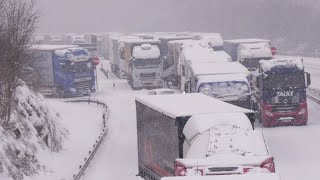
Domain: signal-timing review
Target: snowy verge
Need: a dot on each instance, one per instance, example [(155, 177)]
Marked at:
[(101, 137)]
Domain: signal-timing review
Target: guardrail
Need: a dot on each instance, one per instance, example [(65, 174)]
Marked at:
[(103, 133), (314, 95)]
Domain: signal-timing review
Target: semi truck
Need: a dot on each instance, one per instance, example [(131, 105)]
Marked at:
[(143, 65), (117, 62), (193, 134), (249, 51), (168, 66), (280, 92), (196, 51), (66, 70)]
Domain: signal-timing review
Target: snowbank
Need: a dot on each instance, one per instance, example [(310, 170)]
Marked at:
[(33, 129)]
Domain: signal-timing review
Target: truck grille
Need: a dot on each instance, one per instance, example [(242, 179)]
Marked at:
[(148, 75), (83, 87), (284, 108)]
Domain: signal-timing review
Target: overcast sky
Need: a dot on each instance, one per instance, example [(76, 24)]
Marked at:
[(248, 17)]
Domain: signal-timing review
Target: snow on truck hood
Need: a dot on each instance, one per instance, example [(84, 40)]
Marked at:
[(253, 176), (219, 68), (184, 105)]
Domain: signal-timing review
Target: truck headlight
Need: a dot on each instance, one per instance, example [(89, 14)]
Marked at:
[(268, 113), (302, 111), (73, 90)]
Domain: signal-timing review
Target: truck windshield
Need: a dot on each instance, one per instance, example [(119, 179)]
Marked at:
[(252, 64), (146, 63), (230, 89), (79, 66), (279, 81)]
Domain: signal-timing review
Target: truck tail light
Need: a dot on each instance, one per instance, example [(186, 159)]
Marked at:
[(268, 164), (246, 170), (179, 170)]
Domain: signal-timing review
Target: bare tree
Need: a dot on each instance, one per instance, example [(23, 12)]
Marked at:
[(17, 24)]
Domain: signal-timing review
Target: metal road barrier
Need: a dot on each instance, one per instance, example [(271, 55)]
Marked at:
[(103, 133)]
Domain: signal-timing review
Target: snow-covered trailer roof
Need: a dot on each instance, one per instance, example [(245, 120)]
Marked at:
[(199, 54), (246, 41), (252, 176), (47, 47), (140, 41), (218, 68), (186, 105)]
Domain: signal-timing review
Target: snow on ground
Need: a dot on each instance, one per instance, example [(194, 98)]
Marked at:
[(295, 148), (117, 157), (84, 124)]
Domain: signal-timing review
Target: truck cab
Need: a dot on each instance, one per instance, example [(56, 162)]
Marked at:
[(143, 63), (74, 72), (225, 81), (281, 92)]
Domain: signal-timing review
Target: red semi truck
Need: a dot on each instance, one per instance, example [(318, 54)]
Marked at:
[(193, 134)]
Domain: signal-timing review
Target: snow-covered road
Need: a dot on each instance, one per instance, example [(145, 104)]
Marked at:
[(294, 148)]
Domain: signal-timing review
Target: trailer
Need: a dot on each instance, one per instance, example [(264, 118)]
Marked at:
[(249, 51), (170, 129), (66, 70)]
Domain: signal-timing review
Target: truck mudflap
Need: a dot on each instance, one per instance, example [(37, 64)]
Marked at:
[(150, 174)]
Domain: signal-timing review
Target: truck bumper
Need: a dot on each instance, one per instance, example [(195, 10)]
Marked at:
[(152, 83), (284, 121)]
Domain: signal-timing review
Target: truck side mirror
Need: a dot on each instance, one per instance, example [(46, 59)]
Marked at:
[(187, 86), (308, 79), (258, 81)]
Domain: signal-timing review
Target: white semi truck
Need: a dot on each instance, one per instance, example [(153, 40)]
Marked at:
[(198, 51), (225, 81), (143, 65)]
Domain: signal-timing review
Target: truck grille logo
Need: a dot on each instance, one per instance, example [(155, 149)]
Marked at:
[(285, 93)]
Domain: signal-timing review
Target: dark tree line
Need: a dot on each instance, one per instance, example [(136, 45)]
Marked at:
[(17, 24)]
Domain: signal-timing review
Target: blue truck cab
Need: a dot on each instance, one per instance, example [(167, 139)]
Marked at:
[(67, 70)]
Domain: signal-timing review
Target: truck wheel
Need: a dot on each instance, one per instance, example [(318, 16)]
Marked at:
[(60, 93)]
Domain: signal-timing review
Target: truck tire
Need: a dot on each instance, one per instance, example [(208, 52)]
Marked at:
[(60, 93)]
